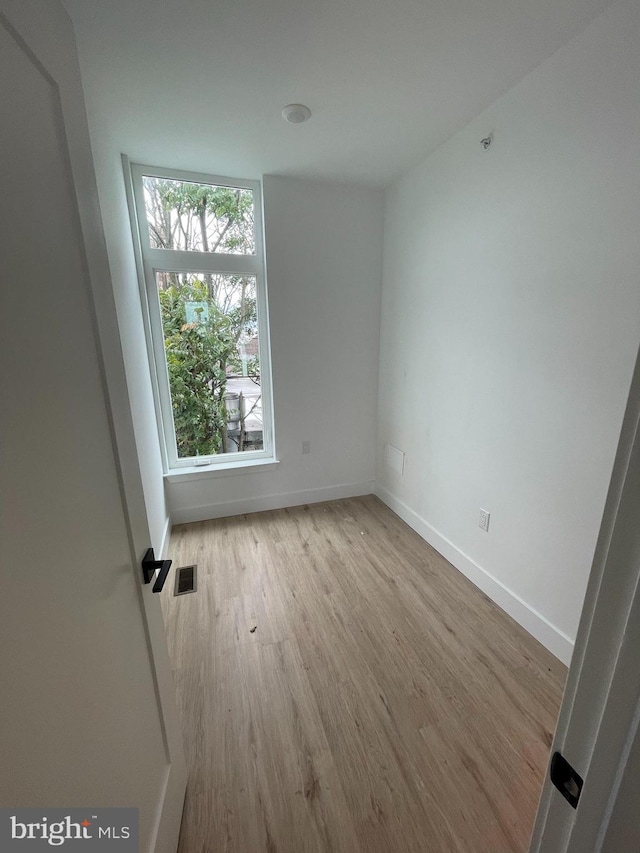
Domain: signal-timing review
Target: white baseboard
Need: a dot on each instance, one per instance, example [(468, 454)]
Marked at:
[(266, 502), (552, 638), (166, 535)]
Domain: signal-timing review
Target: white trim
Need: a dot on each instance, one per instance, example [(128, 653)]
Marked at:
[(222, 469), (197, 177), (164, 542), (150, 261), (267, 502), (146, 313), (169, 812), (176, 260), (264, 335), (551, 637)]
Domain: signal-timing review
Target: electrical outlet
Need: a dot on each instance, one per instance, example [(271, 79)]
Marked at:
[(483, 520), (306, 447)]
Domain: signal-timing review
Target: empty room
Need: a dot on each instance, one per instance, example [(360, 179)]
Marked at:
[(321, 454)]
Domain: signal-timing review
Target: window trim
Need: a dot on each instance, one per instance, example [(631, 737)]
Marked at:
[(149, 261)]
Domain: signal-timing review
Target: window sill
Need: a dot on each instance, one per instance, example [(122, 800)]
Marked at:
[(220, 469)]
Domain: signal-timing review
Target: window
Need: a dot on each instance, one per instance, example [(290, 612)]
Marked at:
[(202, 259)]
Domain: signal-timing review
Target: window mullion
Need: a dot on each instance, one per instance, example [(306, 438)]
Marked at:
[(195, 262), (157, 338)]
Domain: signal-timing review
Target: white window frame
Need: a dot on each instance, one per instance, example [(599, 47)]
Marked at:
[(150, 261)]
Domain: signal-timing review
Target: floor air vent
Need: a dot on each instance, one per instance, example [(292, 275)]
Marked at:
[(185, 580)]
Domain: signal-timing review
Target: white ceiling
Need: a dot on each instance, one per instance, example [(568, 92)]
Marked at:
[(199, 84)]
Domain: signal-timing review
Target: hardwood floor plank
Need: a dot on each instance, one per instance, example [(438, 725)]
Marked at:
[(343, 688)]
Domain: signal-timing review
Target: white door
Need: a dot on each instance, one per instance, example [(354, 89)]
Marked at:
[(87, 710), (599, 720)]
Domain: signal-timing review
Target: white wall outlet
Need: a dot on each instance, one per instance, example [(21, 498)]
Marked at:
[(483, 520), (306, 447)]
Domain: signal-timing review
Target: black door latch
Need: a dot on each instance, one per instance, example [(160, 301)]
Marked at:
[(566, 780), (150, 566)]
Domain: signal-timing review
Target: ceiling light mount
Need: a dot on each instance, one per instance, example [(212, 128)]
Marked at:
[(296, 113), (487, 142)]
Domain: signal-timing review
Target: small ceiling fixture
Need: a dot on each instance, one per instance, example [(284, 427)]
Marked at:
[(487, 142), (296, 113)]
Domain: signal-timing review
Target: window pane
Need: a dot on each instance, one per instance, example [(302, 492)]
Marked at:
[(210, 332), (195, 217)]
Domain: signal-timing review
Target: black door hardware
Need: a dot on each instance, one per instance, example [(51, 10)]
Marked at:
[(566, 780), (149, 566)]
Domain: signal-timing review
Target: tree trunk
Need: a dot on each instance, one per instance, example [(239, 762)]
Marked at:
[(202, 217), (242, 428), (224, 438)]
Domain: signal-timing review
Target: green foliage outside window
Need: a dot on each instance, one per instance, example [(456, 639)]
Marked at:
[(197, 356)]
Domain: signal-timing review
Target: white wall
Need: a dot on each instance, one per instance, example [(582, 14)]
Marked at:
[(510, 324), (324, 258), (113, 204)]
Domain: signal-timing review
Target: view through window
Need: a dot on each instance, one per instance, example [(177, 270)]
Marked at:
[(202, 252)]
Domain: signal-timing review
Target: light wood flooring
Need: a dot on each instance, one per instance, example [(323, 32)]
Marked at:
[(343, 689)]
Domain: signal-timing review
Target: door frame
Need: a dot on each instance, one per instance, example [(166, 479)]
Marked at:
[(599, 715), (31, 23)]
